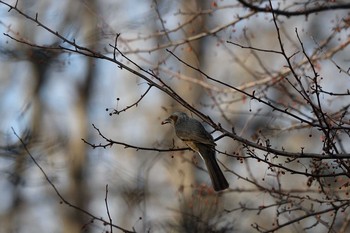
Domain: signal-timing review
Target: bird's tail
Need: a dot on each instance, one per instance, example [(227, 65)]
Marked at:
[(217, 177)]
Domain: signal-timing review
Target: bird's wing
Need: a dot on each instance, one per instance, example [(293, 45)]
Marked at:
[(196, 138), (194, 131)]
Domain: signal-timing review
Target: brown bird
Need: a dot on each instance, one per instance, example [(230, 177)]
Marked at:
[(193, 133)]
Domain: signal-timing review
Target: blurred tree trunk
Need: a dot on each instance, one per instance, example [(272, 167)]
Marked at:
[(79, 193), (189, 91), (40, 62)]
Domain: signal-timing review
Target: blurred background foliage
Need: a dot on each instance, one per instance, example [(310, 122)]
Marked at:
[(51, 98)]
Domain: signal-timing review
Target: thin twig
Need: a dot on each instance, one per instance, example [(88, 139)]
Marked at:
[(63, 200), (107, 209)]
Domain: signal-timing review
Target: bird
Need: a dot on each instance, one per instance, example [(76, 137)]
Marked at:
[(194, 135)]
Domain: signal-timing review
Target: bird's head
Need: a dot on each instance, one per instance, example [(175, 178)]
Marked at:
[(175, 117)]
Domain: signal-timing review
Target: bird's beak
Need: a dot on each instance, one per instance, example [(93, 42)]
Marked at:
[(166, 121)]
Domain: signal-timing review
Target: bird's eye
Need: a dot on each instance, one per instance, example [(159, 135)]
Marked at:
[(174, 118)]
